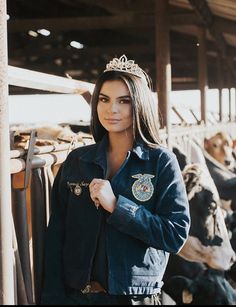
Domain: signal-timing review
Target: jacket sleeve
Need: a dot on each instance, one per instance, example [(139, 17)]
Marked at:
[(167, 228), (53, 290)]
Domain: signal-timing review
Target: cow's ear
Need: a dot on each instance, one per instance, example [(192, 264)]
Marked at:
[(175, 287), (187, 296)]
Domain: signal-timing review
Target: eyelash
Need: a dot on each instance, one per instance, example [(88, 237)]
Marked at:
[(105, 100), (122, 101)]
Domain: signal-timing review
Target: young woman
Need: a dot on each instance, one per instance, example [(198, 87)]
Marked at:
[(119, 206)]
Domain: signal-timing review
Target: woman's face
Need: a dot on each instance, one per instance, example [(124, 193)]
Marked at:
[(115, 107)]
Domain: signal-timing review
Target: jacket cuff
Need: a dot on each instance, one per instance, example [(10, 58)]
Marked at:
[(124, 212)]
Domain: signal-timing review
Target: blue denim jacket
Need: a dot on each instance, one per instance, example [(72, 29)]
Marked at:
[(150, 221)]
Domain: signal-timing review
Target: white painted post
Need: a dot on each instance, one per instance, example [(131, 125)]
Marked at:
[(7, 296)]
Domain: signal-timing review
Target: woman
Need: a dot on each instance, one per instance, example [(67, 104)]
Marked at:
[(119, 206)]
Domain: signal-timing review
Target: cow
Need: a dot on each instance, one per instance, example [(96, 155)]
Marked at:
[(207, 220), (209, 287), (220, 158), (225, 180), (199, 186), (180, 155), (208, 244), (223, 176)]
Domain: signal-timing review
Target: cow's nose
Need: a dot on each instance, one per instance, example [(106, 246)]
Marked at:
[(233, 259), (227, 162)]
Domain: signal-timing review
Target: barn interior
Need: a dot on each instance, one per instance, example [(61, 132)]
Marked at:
[(67, 44), (76, 39)]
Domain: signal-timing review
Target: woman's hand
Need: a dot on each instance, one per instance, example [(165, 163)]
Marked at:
[(102, 194)]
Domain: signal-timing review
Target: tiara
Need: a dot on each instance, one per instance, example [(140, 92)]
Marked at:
[(125, 65)]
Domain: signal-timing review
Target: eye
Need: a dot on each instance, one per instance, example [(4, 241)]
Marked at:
[(215, 145), (123, 101), (102, 99)]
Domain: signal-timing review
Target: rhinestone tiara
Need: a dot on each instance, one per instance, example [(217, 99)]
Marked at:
[(125, 65)]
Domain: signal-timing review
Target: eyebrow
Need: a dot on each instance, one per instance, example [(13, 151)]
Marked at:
[(125, 96)]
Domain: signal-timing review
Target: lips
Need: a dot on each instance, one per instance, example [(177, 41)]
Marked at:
[(112, 120)]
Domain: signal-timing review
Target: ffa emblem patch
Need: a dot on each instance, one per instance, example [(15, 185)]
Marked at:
[(142, 188), (75, 188)]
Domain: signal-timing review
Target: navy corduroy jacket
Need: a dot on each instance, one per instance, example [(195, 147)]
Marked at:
[(150, 221)]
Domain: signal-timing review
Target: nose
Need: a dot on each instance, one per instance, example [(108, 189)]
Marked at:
[(228, 155), (113, 107), (232, 259), (227, 162)]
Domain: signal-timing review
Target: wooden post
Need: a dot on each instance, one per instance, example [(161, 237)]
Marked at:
[(6, 236), (235, 104), (202, 71), (230, 95), (220, 85), (230, 105), (163, 65)]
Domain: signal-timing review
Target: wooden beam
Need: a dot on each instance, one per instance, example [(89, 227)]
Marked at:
[(204, 12), (37, 80), (225, 25), (96, 23), (202, 71), (220, 85), (81, 23), (163, 65), (122, 6), (104, 22), (88, 51)]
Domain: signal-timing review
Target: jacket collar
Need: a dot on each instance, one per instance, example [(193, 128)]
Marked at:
[(97, 153)]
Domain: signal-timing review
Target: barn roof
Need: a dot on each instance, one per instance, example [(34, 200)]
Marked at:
[(108, 28)]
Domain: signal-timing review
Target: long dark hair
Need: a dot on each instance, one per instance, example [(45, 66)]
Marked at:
[(145, 111)]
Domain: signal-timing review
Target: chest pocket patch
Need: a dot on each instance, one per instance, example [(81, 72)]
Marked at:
[(142, 188), (76, 188)]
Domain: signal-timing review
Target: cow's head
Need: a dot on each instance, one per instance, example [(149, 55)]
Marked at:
[(220, 147), (208, 288)]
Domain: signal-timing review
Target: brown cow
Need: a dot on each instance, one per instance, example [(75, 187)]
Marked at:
[(220, 147)]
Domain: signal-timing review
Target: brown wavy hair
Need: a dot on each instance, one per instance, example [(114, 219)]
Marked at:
[(144, 104)]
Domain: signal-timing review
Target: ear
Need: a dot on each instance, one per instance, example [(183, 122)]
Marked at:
[(187, 296), (178, 288)]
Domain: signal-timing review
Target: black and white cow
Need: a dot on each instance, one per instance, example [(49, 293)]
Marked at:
[(225, 180), (208, 245), (209, 287), (207, 220)]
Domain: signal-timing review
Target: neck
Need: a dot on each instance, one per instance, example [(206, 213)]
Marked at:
[(120, 143)]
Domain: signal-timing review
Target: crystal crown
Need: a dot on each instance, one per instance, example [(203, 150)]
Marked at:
[(125, 65)]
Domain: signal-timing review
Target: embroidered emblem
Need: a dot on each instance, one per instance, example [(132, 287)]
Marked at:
[(142, 188), (76, 188)]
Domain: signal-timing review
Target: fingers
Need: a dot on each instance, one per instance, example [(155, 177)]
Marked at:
[(94, 187), (95, 182)]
